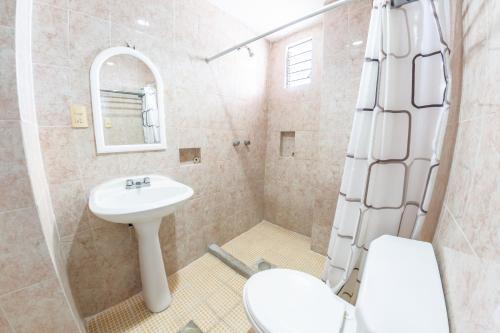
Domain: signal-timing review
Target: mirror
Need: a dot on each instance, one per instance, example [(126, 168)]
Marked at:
[(127, 102)]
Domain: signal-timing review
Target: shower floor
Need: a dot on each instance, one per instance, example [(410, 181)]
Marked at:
[(210, 293)]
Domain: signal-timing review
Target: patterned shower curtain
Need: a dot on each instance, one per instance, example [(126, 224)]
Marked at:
[(395, 144)]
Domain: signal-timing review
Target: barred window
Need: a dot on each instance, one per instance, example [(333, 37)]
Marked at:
[(299, 63)]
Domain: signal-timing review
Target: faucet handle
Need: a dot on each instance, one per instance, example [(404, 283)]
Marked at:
[(129, 183), (146, 180)]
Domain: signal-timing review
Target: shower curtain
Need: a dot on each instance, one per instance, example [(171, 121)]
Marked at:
[(150, 116), (395, 144)]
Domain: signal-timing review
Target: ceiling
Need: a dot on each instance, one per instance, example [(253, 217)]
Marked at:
[(264, 15)]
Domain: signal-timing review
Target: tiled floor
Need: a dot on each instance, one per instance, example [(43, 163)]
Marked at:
[(210, 293)]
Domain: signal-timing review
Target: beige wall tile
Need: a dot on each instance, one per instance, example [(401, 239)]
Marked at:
[(334, 21), (55, 3), (156, 16), (321, 234), (494, 25), (8, 94), (468, 232), (297, 109), (70, 206), (61, 154), (92, 7), (19, 229), (85, 267), (450, 235), (460, 275), (321, 115), (50, 43), (93, 168), (476, 28), (16, 180), (7, 13), (26, 267), (24, 254), (4, 324), (484, 194), (79, 83), (38, 308), (464, 158), (52, 95), (11, 145), (88, 36), (485, 302), (103, 267), (359, 20)]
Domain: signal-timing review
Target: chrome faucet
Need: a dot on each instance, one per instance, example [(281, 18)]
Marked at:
[(137, 183)]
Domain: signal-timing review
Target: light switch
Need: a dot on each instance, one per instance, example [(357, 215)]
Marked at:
[(108, 123), (79, 116)]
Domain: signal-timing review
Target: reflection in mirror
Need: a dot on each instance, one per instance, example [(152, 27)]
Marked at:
[(128, 102)]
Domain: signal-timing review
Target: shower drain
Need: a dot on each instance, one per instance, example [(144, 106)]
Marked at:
[(262, 265), (191, 327)]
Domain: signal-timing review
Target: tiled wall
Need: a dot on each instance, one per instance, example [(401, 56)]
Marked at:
[(30, 288), (207, 107), (345, 32), (290, 180), (301, 191), (468, 237)]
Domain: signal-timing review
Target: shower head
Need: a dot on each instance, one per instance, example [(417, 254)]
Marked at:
[(250, 52)]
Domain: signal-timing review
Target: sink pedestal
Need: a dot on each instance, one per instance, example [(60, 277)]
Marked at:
[(144, 206), (153, 276)]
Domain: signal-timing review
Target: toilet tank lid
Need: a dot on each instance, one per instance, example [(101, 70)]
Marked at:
[(401, 289)]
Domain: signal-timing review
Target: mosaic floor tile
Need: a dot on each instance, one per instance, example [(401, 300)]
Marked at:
[(210, 293)]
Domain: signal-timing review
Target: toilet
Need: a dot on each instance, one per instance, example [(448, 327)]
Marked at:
[(400, 292)]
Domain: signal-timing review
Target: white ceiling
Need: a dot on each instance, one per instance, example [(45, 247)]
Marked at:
[(264, 15)]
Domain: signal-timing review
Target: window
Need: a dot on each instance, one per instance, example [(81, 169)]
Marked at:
[(299, 63)]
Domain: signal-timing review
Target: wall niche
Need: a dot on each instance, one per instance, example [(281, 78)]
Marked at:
[(287, 144), (189, 156)]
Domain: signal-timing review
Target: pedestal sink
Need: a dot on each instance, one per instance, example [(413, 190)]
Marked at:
[(143, 201)]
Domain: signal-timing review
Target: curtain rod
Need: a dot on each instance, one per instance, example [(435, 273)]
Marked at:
[(265, 34)]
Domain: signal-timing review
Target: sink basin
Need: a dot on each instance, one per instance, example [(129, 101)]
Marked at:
[(112, 202), (143, 207)]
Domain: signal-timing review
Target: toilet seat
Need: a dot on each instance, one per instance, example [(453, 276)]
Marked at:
[(284, 300)]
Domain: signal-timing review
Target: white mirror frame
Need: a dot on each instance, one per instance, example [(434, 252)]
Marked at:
[(96, 102)]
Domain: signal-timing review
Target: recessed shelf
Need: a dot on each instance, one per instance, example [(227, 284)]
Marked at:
[(188, 156), (287, 144)]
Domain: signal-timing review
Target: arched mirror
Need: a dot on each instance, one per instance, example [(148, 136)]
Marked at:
[(127, 102)]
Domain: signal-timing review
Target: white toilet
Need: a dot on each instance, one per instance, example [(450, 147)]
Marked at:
[(401, 292)]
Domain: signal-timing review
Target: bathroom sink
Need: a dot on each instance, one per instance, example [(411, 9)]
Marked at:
[(143, 201), (112, 202)]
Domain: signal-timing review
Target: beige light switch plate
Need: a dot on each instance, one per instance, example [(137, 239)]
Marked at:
[(108, 123), (79, 116)]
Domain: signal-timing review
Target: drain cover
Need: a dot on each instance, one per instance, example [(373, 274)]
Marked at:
[(262, 265), (191, 327)]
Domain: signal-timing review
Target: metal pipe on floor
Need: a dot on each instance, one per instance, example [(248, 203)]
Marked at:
[(236, 264)]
